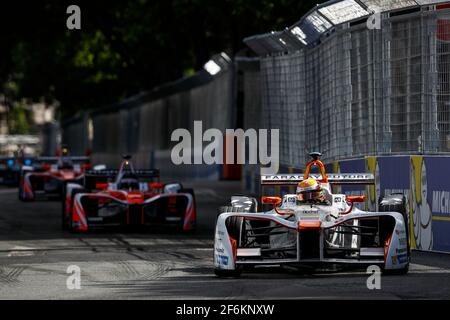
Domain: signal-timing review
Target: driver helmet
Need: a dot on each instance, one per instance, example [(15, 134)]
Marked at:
[(129, 184), (309, 190), (65, 163)]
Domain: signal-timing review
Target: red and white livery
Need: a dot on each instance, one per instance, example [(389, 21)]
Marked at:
[(127, 198), (47, 176), (312, 233)]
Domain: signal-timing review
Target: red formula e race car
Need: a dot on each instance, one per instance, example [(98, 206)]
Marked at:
[(127, 198), (47, 177)]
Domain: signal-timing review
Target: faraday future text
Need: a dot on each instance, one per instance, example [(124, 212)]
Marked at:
[(226, 309)]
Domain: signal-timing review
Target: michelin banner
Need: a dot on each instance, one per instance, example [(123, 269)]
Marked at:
[(429, 204), (425, 182)]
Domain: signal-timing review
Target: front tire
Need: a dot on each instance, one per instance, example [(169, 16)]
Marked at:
[(235, 227), (397, 203)]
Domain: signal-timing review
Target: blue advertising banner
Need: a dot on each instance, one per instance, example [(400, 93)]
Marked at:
[(430, 206), (393, 175), (353, 166), (425, 182)]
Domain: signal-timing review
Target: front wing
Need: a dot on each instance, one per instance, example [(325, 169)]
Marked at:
[(102, 210)]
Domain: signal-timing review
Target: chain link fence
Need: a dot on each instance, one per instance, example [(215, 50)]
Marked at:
[(347, 90), (362, 91)]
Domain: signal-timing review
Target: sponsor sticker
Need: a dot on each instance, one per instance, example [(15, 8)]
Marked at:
[(309, 217), (309, 213), (220, 250), (222, 260), (403, 258), (400, 251), (394, 260)]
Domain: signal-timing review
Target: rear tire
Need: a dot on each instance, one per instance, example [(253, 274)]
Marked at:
[(235, 225), (397, 203)]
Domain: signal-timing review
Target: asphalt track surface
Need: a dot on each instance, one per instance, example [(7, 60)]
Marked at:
[(35, 255)]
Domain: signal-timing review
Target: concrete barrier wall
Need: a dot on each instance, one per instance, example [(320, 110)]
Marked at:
[(142, 125)]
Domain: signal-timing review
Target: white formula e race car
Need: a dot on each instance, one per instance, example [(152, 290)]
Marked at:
[(308, 233)]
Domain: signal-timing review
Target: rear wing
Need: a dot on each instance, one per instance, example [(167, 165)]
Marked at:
[(93, 177), (147, 173), (333, 178), (56, 159)]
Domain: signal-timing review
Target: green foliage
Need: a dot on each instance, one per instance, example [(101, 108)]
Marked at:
[(18, 122), (123, 47)]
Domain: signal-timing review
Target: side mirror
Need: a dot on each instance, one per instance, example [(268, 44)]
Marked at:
[(101, 186), (99, 167), (354, 199), (271, 200), (172, 187), (156, 185)]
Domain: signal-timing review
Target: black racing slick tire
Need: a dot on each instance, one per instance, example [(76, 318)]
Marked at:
[(397, 203), (235, 225)]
